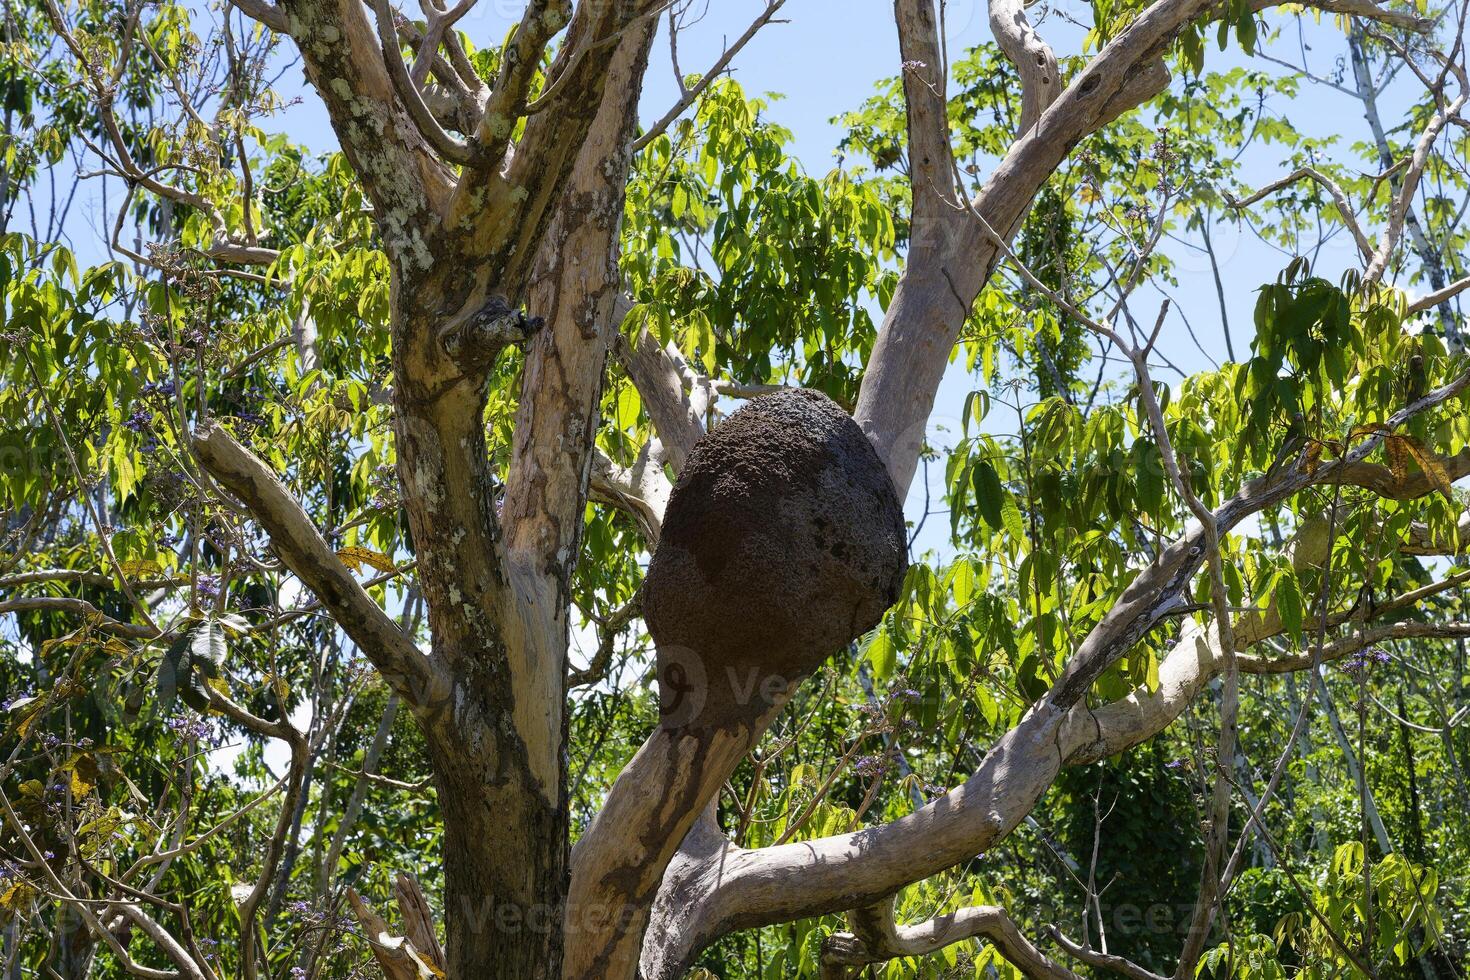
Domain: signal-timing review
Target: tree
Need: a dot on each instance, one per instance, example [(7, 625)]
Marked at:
[(503, 199)]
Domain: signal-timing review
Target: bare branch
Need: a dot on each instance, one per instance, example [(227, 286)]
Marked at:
[(1104, 961), (609, 629), (1423, 147), (656, 376), (1366, 9), (519, 60), (399, 957), (691, 93), (453, 150), (79, 607), (438, 22), (1435, 298), (1344, 207), (265, 12), (641, 491), (877, 938), (1033, 57)]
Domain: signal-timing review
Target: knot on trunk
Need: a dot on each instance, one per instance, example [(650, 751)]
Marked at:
[(474, 340), (783, 541)]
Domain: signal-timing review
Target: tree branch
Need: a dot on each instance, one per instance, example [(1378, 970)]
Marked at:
[(1409, 185), (1103, 961), (263, 11), (406, 669), (656, 376), (641, 491), (561, 386), (451, 149), (79, 607), (1439, 296), (692, 93), (1344, 207), (1034, 59), (876, 938)]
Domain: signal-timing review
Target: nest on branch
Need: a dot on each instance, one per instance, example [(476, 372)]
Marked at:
[(782, 542)]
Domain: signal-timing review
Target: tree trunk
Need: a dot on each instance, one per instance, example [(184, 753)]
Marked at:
[(498, 605), (498, 771), (505, 871), (76, 947)]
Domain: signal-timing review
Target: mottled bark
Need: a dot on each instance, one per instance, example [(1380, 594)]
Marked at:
[(498, 605)]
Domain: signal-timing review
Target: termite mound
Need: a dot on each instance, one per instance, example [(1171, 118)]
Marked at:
[(783, 540)]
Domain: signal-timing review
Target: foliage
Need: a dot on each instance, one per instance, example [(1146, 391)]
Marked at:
[(149, 623)]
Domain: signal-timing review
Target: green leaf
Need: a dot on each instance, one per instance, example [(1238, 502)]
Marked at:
[(882, 655), (989, 493), (208, 648), (1010, 516), (1289, 604)]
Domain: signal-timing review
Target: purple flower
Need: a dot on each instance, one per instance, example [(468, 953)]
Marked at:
[(298, 973), (164, 388), (208, 587), (1364, 660), (187, 727), (870, 765), (139, 420)]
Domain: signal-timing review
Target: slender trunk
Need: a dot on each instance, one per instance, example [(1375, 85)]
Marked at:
[(1355, 771), (1415, 837), (76, 947), (1428, 255), (293, 848), (327, 870), (1219, 287), (10, 951)]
